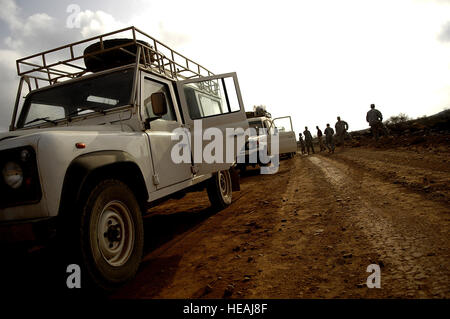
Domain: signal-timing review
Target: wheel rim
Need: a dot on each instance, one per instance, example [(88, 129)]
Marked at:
[(225, 186), (115, 233)]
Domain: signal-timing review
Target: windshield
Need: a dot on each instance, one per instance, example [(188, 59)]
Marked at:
[(97, 94)]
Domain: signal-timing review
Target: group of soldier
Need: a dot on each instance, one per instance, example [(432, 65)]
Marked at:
[(373, 117)]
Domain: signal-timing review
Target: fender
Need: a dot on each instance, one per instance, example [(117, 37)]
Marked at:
[(87, 168)]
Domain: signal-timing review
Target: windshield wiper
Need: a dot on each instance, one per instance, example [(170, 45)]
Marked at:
[(98, 110), (41, 119)]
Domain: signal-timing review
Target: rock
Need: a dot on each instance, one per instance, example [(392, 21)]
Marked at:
[(250, 259), (246, 278), (208, 289), (349, 255), (283, 220), (361, 285), (228, 291), (237, 248)]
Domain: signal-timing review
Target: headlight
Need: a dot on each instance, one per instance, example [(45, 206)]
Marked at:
[(12, 175)]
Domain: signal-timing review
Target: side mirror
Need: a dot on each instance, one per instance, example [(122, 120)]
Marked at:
[(159, 105)]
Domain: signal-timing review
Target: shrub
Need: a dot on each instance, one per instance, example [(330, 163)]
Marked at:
[(397, 119)]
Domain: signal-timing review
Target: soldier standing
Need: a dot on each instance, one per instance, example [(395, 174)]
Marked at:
[(375, 119), (308, 140), (302, 143), (329, 132), (320, 138), (341, 130)]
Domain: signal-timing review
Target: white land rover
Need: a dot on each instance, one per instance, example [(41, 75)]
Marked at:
[(91, 145), (267, 131)]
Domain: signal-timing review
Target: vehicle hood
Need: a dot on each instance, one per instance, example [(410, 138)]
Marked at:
[(92, 128)]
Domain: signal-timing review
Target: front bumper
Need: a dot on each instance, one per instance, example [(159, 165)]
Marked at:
[(35, 230)]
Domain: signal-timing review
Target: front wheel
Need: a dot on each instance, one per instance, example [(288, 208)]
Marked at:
[(220, 190), (111, 235)]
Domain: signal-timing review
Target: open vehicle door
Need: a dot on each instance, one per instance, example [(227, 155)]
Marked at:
[(288, 143), (213, 106)]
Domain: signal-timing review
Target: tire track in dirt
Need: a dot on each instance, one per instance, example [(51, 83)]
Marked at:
[(309, 255), (426, 179), (413, 159), (412, 243)]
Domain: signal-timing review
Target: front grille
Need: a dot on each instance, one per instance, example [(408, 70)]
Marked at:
[(29, 191)]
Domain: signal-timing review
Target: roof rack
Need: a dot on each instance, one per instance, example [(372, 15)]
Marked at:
[(67, 62)]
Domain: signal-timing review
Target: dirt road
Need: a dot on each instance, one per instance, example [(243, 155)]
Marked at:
[(309, 231)]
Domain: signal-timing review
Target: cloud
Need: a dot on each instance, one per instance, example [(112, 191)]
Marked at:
[(444, 36), (8, 86), (98, 22), (35, 33), (9, 13)]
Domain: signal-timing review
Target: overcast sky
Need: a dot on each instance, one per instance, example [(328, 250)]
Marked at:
[(313, 60)]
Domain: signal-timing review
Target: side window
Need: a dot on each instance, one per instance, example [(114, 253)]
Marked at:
[(150, 87), (211, 97)]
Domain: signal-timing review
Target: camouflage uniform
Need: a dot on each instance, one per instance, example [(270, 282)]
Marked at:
[(375, 119), (302, 143), (341, 131), (320, 139), (308, 141), (329, 140)]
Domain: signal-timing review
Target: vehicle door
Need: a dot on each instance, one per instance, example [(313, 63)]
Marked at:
[(213, 105), (161, 131), (287, 141)]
